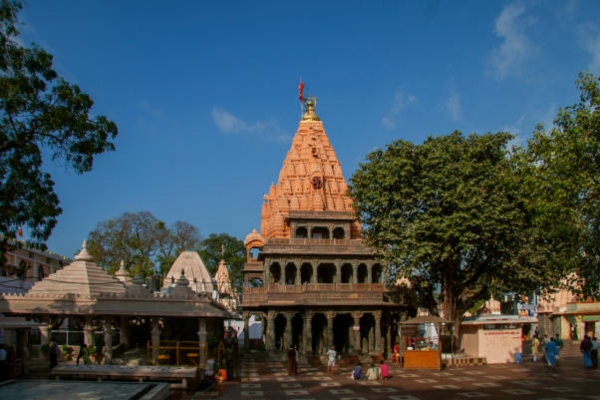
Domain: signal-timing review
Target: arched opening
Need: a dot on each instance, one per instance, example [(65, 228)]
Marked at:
[(280, 324), (367, 333), (319, 232), (338, 233), (301, 232), (297, 328), (290, 274), (318, 326), (342, 326), (326, 273), (362, 273), (253, 253), (347, 273), (275, 273), (306, 273), (255, 282), (377, 274)]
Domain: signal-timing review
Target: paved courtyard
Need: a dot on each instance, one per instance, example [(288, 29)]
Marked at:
[(260, 379)]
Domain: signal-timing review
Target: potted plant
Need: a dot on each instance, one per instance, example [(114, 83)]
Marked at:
[(67, 352)]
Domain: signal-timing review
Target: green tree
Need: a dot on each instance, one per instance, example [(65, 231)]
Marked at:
[(141, 241), (561, 169), (217, 247), (448, 213), (40, 114)]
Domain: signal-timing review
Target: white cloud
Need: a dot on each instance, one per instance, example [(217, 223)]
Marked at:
[(399, 103), (228, 123), (453, 106), (590, 41), (508, 57)]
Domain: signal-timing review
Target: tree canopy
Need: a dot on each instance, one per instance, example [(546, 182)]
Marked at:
[(561, 171), (449, 212), (142, 242), (40, 114)]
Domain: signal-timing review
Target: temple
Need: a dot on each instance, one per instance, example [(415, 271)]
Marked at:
[(308, 275)]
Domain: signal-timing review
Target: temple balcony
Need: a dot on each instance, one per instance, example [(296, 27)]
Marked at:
[(314, 294)]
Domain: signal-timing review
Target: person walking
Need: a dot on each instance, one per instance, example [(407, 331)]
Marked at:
[(331, 358), (586, 348), (559, 344), (535, 347), (594, 352), (551, 350)]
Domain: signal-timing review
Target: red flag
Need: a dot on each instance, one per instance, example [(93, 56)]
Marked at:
[(301, 89)]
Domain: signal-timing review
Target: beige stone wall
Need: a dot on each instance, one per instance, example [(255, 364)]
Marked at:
[(499, 346)]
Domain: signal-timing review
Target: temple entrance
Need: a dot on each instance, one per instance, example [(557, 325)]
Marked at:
[(318, 326), (342, 328)]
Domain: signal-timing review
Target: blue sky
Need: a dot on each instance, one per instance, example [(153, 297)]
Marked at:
[(205, 92)]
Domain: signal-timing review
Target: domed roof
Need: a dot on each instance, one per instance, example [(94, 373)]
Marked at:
[(192, 267), (254, 236)]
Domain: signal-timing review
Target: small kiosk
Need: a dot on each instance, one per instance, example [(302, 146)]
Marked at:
[(422, 349)]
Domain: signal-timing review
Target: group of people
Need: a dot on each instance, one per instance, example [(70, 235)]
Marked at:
[(550, 347), (382, 371)]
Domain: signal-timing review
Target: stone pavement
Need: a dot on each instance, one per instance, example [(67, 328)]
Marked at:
[(260, 379)]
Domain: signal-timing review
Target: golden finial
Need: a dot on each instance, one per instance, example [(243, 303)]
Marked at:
[(310, 114)]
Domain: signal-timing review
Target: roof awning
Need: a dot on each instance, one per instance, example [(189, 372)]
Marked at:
[(17, 323), (426, 319)]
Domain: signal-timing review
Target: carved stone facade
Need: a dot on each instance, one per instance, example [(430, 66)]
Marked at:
[(308, 275)]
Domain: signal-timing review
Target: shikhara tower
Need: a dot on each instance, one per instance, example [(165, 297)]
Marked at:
[(308, 275)]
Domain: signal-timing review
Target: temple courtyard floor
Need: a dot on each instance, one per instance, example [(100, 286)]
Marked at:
[(266, 379)]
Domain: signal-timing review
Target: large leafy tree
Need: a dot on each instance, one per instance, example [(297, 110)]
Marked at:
[(217, 247), (449, 213), (561, 167), (40, 114), (142, 242)]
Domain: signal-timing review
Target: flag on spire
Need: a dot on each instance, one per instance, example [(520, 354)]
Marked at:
[(301, 89)]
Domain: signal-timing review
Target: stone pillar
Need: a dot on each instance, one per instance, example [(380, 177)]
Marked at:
[(88, 331), (338, 272), (354, 272), (297, 281), (246, 331), (44, 333), (306, 346), (330, 315), (202, 337), (377, 342), (357, 345), (369, 273), (108, 330), (270, 331), (313, 278), (155, 340), (124, 331)]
